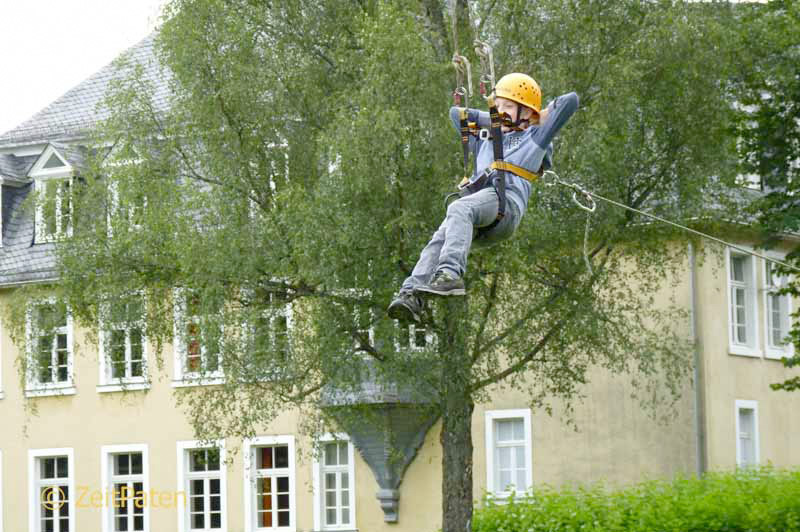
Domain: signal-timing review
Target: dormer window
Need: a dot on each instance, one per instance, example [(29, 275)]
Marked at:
[(53, 209), (52, 176)]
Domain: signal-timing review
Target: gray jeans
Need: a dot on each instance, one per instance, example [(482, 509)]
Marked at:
[(449, 246)]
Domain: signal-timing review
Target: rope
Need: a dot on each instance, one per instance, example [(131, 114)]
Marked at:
[(577, 189), (453, 20)]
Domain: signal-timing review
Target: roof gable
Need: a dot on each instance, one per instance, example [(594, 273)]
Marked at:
[(50, 163)]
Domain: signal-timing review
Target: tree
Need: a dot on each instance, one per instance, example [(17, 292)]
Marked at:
[(303, 156), (769, 128)]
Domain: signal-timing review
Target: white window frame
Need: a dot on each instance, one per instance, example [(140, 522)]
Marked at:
[(182, 378), (40, 188), (495, 415), (317, 477), (107, 453), (37, 389), (742, 404), (109, 384), (250, 477), (34, 455), (770, 350), (182, 449), (753, 347), (113, 191)]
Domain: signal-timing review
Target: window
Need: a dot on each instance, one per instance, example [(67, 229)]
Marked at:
[(743, 333), (747, 444), (50, 357), (270, 332), (202, 478), (197, 341), (124, 472), (51, 496), (127, 212), (123, 345), (269, 484), (413, 337), (777, 309), (508, 452), (334, 482), (53, 209)]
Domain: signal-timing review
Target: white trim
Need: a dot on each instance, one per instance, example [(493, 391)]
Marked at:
[(752, 348), (249, 481), (108, 384), (182, 379), (317, 482), (36, 389), (106, 452), (491, 416), (38, 171), (747, 405), (41, 236), (181, 448), (771, 352), (33, 499)]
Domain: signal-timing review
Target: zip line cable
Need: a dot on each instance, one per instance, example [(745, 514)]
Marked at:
[(578, 190)]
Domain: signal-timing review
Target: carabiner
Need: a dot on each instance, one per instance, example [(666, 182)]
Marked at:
[(578, 190)]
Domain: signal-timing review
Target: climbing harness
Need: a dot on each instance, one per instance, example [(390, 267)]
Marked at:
[(590, 207)]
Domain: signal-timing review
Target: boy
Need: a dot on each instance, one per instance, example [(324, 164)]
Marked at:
[(527, 135)]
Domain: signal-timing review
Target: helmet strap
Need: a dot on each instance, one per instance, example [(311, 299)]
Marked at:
[(518, 122)]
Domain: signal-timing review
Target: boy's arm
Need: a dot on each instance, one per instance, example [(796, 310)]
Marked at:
[(473, 115), (554, 117)]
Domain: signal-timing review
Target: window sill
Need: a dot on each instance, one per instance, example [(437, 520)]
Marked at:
[(123, 387), (744, 351), (50, 391), (778, 354), (187, 382)]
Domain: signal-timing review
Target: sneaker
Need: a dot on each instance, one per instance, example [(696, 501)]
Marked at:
[(406, 307), (444, 284)]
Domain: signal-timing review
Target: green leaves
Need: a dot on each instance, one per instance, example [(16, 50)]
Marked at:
[(754, 500)]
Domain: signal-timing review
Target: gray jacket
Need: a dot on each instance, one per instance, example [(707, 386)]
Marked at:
[(531, 148)]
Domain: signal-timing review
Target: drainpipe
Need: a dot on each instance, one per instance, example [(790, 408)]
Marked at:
[(699, 381)]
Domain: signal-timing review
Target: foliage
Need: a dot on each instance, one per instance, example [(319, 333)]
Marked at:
[(769, 127), (302, 157), (758, 500)]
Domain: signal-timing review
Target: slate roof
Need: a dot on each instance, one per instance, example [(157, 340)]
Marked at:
[(15, 167), (20, 260), (81, 107), (62, 123)]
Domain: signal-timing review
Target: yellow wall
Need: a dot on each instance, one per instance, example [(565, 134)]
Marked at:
[(616, 441)]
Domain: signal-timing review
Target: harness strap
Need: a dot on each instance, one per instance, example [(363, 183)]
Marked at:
[(499, 180), (514, 169), (465, 132)]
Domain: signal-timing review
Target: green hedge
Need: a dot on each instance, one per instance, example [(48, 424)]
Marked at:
[(747, 501)]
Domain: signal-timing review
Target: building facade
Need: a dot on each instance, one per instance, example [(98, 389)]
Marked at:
[(91, 438)]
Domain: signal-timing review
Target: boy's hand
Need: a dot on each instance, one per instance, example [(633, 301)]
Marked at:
[(543, 115)]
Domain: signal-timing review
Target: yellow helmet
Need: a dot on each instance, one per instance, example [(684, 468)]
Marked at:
[(520, 88)]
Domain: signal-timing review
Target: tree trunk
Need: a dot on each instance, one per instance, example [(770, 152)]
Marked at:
[(456, 441), (456, 409)]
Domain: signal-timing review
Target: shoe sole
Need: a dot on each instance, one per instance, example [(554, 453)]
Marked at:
[(451, 292), (402, 313)]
